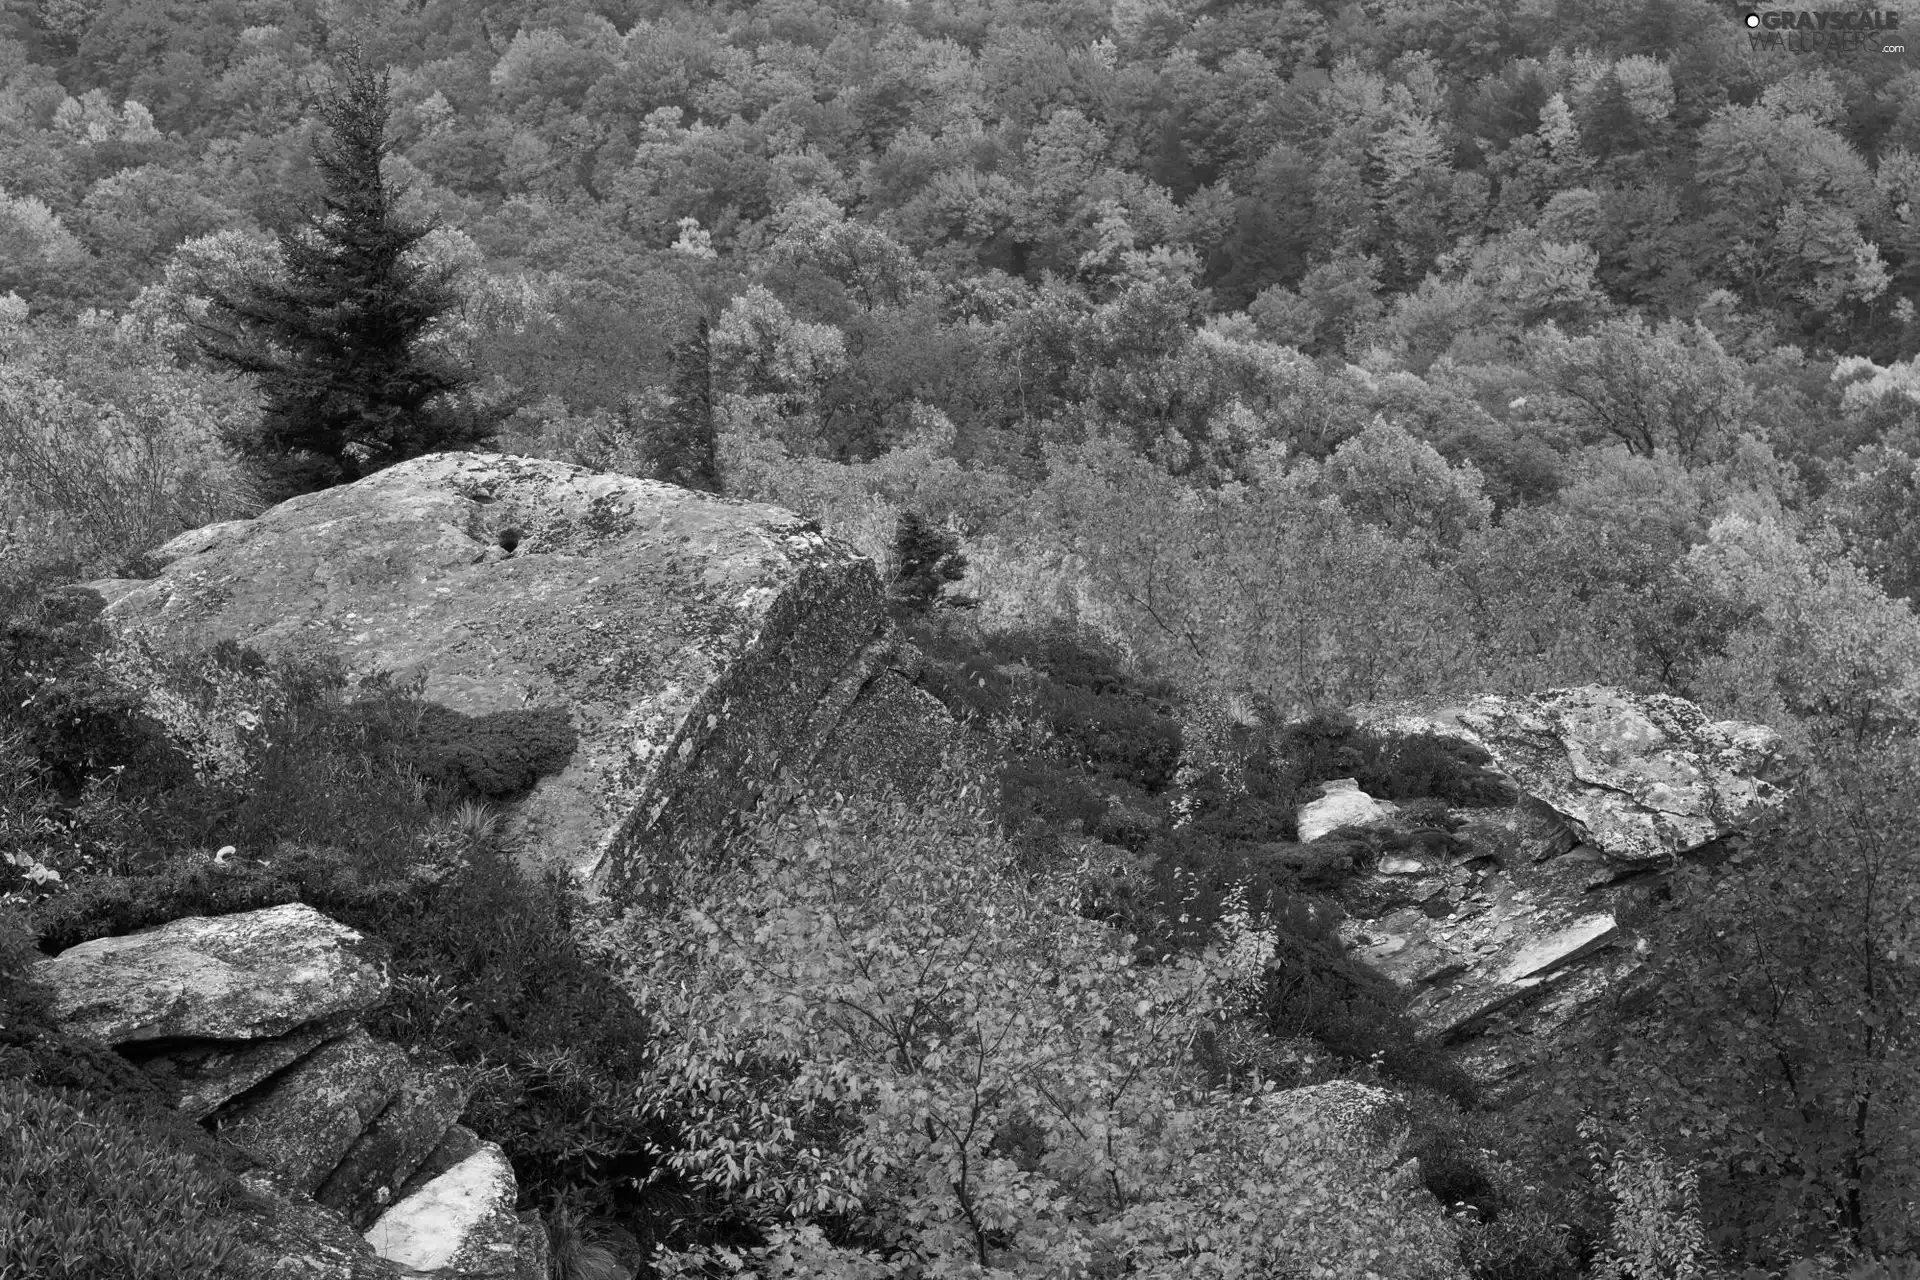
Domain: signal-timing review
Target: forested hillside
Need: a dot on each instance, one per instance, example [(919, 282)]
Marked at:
[(1514, 285), (1224, 363)]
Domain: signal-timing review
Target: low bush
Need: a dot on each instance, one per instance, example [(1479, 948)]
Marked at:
[(1512, 1226), (85, 1195), (328, 808), (1257, 793), (79, 724), (497, 755), (1077, 695), (893, 1047)]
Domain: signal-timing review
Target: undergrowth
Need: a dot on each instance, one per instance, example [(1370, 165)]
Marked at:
[(358, 803)]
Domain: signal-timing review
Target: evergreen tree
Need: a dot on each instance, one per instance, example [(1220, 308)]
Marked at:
[(336, 344), (1610, 126), (925, 559), (680, 441)]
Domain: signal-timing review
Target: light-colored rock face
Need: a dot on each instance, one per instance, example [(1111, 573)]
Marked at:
[(1507, 945), (1645, 775), (1342, 805), (689, 637), (456, 1223), (251, 975)]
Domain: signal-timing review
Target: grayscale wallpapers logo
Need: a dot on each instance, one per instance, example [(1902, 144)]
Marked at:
[(1826, 31)]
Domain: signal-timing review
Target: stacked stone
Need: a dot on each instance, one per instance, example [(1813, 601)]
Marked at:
[(251, 1023)]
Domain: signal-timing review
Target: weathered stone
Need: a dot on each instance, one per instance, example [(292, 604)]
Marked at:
[(1645, 776), (462, 1224), (690, 638), (199, 1077), (1342, 805), (251, 975), (306, 1120), (295, 1239), (381, 1159), (456, 1145), (1508, 950)]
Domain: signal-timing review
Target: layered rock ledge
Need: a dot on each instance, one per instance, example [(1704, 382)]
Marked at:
[(697, 644)]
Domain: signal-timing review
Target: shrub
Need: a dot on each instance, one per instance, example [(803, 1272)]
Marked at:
[(495, 755), (1775, 1061), (884, 1042), (925, 559), (494, 981), (85, 1194), (79, 723), (1255, 790), (1656, 1227)]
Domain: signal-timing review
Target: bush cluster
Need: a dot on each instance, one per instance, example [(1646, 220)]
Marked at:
[(1076, 693), (79, 726), (333, 809), (497, 755), (86, 1193), (1257, 795)]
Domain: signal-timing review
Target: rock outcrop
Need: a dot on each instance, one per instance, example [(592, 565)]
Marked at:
[(1342, 804), (1508, 933), (251, 1022), (697, 645)]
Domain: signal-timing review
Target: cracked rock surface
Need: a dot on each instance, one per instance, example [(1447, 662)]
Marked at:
[(690, 639), (1507, 943)]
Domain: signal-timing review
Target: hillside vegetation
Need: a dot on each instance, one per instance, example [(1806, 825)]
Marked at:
[(1195, 370)]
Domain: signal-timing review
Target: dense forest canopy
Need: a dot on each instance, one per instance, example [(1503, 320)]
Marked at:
[(1304, 353), (1548, 340)]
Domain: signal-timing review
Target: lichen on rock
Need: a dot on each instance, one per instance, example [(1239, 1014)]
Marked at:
[(689, 639)]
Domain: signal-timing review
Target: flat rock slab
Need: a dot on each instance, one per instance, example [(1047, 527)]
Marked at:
[(1646, 776), (199, 1077), (687, 637), (303, 1123), (462, 1223), (252, 975)]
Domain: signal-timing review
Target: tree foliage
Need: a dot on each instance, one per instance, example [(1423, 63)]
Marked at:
[(1768, 1039), (337, 344), (894, 1053)]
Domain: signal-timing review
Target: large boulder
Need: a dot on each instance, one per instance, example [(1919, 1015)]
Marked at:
[(304, 1124), (252, 975), (1508, 936), (690, 641)]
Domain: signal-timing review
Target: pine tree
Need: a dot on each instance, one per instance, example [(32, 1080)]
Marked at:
[(679, 441), (336, 345), (925, 558), (1610, 125)]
